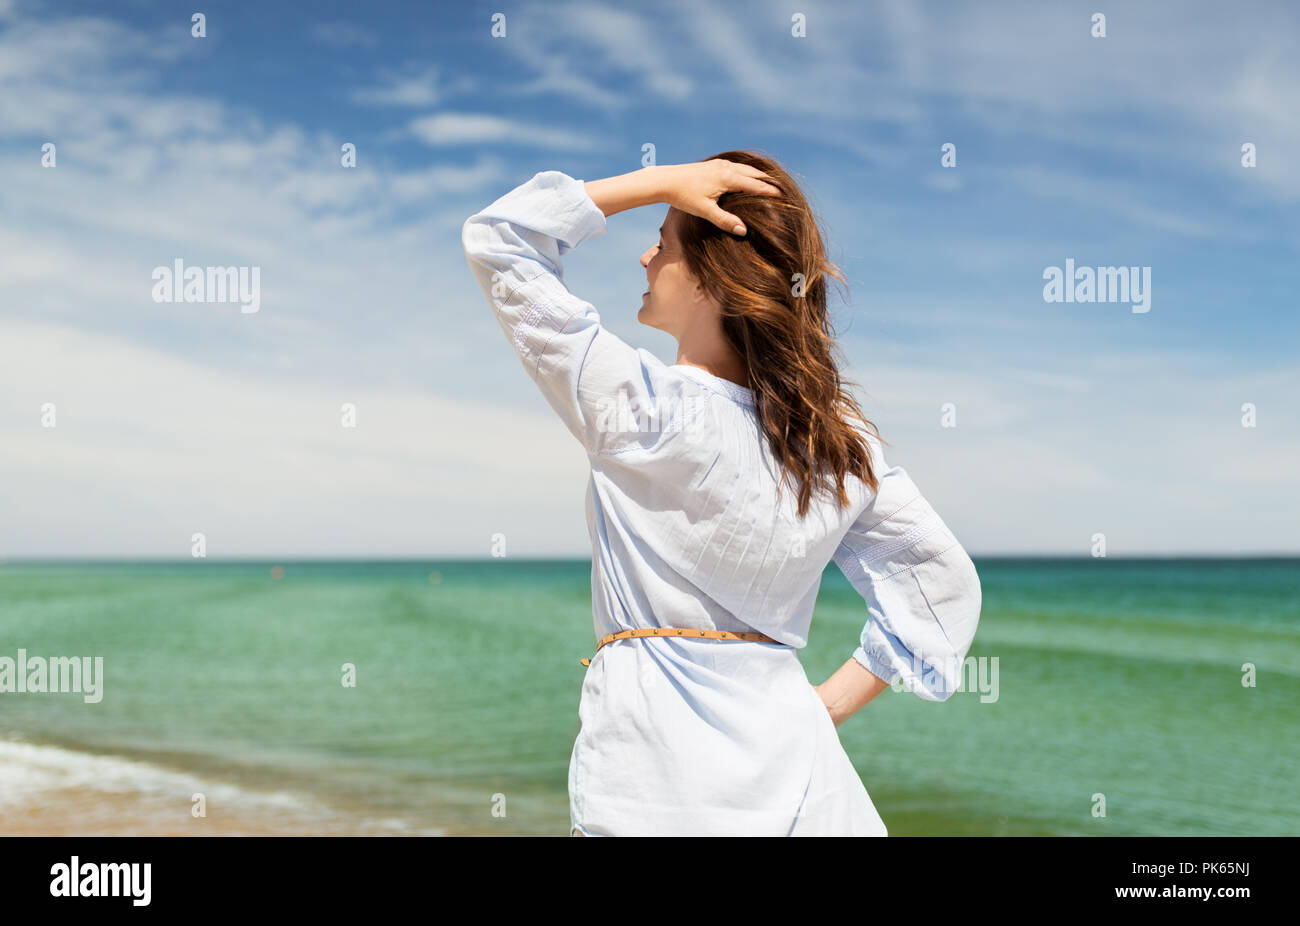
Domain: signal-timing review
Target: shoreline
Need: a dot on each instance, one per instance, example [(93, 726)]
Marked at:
[(55, 789)]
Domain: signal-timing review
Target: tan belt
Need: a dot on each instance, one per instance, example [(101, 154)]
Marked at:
[(681, 632)]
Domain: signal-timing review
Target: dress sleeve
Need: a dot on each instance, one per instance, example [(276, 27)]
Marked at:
[(921, 589), (586, 373)]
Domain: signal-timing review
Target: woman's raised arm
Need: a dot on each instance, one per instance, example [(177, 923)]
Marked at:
[(693, 188)]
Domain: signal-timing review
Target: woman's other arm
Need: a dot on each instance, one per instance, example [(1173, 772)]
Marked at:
[(922, 593), (849, 689)]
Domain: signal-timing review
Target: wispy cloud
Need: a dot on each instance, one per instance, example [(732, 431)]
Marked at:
[(1072, 419), (1122, 199), (447, 129), (343, 34), (260, 468), (631, 43), (421, 89)]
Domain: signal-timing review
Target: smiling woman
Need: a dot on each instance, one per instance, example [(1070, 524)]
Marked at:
[(709, 541), (676, 303), (750, 308)]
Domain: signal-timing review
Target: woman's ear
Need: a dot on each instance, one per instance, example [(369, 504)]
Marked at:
[(701, 296)]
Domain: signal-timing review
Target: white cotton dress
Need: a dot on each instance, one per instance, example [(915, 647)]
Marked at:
[(685, 736)]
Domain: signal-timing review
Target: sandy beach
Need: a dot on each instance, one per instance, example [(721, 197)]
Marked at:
[(47, 790), (72, 812)]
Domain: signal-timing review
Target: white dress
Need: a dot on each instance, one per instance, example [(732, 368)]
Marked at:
[(699, 736)]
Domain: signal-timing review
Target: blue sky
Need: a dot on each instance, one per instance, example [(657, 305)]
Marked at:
[(1072, 418)]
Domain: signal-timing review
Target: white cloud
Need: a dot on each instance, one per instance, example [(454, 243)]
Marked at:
[(625, 41), (447, 129), (182, 418), (365, 298), (150, 448), (482, 175), (1113, 197), (1146, 448), (415, 90), (1172, 82)]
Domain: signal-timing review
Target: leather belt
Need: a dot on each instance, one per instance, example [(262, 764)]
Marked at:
[(753, 636)]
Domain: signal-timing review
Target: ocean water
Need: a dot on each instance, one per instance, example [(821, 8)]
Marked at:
[(1119, 687)]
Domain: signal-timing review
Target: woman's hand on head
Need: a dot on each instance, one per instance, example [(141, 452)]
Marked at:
[(694, 188)]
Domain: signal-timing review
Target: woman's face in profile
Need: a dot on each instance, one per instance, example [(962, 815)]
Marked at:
[(672, 293)]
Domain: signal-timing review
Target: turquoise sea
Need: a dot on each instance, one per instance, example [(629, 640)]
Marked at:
[(1117, 680)]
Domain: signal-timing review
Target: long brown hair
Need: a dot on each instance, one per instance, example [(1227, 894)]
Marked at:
[(771, 286)]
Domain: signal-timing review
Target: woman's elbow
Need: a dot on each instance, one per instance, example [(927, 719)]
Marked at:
[(471, 236), (963, 604)]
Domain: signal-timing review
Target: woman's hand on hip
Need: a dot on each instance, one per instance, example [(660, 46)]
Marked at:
[(848, 690)]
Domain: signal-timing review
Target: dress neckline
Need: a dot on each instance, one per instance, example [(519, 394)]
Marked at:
[(732, 390)]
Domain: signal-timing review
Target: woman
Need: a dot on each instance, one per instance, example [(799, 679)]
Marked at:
[(721, 486)]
